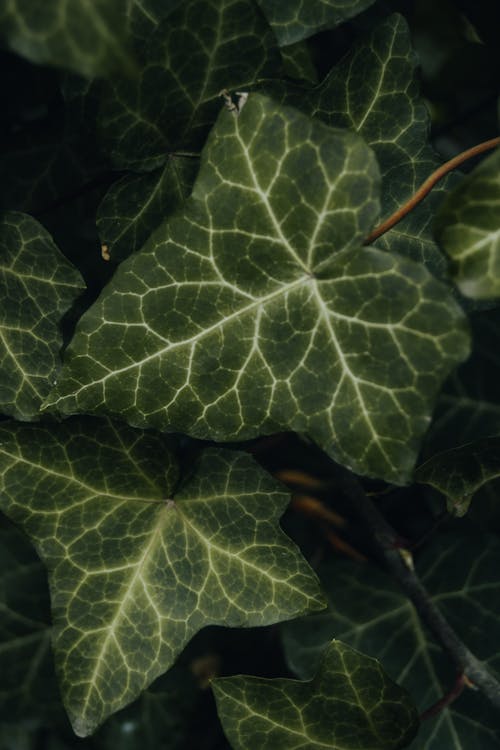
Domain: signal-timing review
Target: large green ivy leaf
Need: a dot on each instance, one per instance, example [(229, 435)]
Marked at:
[(299, 19), (370, 612), (349, 704), (373, 91), (172, 106), (37, 286), (138, 563), (135, 205), (87, 36), (257, 309), (460, 472), (468, 229), (28, 689)]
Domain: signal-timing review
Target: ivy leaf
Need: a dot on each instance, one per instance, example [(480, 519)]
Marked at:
[(350, 703), (298, 63), (459, 473), (37, 285), (171, 107), (468, 229), (299, 19), (88, 37), (468, 409), (369, 611), (136, 204), (28, 689), (257, 310), (137, 565), (373, 91)]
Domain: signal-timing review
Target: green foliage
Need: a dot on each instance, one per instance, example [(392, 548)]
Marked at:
[(189, 196), (219, 327), (370, 613), (191, 554), (350, 703), (460, 472), (298, 20), (37, 286), (87, 37), (468, 228)]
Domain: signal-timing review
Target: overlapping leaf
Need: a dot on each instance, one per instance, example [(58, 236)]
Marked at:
[(298, 63), (373, 91), (37, 286), (87, 36), (370, 612), (459, 473), (137, 564), (257, 309), (201, 48), (299, 19), (349, 704), (135, 205), (468, 229)]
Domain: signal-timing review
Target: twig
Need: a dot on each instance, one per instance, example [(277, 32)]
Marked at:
[(427, 186), (455, 691), (385, 539)]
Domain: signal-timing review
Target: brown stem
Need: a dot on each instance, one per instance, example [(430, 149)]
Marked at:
[(455, 691), (427, 186), (385, 540)]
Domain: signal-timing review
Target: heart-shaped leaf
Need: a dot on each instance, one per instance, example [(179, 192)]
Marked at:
[(349, 704), (37, 286), (257, 309), (138, 564)]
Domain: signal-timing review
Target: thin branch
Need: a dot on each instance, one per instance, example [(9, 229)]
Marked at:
[(427, 186), (386, 543), (452, 694)]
